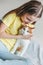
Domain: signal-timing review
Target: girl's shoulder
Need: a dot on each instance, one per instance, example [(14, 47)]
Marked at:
[(9, 13)]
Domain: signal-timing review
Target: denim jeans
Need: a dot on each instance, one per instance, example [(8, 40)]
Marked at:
[(35, 56)]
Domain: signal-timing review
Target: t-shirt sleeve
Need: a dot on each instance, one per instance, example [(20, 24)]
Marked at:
[(8, 19)]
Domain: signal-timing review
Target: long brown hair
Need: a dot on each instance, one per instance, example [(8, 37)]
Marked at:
[(32, 7)]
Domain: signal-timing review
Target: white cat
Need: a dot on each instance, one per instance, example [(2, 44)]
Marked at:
[(21, 43)]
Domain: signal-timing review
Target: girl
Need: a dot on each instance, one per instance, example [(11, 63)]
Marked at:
[(19, 19)]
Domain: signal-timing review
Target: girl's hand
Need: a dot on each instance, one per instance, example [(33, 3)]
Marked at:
[(27, 36)]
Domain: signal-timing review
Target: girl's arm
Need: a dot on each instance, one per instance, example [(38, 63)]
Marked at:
[(5, 35), (2, 27)]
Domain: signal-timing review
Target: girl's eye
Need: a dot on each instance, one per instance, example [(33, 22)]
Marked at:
[(33, 23), (28, 19)]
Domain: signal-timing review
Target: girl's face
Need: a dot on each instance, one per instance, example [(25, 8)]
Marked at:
[(29, 20)]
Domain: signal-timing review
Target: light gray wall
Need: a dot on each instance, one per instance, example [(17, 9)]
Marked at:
[(7, 5)]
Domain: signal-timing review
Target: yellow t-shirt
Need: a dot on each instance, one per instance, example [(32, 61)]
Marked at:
[(14, 23)]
